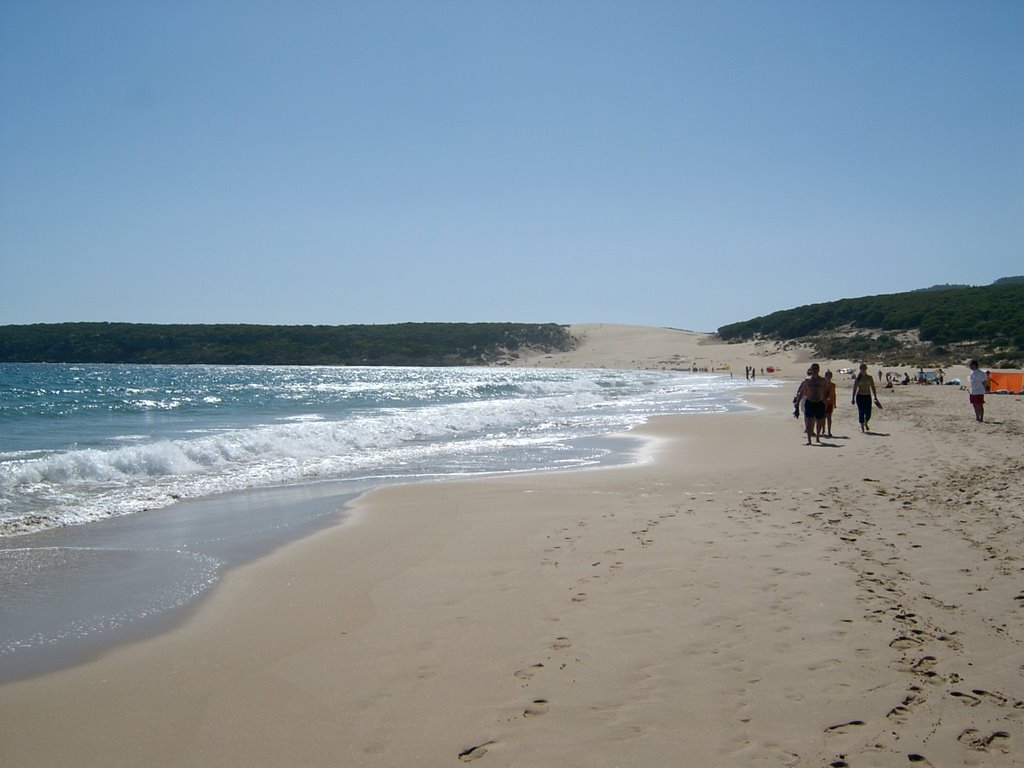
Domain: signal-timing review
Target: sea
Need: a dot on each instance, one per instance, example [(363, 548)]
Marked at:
[(127, 490)]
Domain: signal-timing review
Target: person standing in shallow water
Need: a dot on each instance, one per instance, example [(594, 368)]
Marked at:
[(813, 391), (976, 384), (863, 394)]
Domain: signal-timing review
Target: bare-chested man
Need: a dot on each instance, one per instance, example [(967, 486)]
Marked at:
[(813, 391), (863, 393)]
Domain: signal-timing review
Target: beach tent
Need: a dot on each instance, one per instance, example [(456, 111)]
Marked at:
[(1006, 382)]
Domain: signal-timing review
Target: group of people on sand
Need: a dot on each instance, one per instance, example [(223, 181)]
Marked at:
[(818, 394)]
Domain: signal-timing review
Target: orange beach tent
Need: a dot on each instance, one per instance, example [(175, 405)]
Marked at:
[(1006, 382)]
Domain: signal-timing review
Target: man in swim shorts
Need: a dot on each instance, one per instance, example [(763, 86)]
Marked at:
[(864, 393), (813, 391)]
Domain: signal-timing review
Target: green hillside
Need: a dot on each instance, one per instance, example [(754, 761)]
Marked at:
[(935, 326), (400, 344)]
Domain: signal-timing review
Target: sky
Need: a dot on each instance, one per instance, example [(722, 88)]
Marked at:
[(684, 163)]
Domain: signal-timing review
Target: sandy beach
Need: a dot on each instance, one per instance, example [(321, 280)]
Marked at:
[(736, 599)]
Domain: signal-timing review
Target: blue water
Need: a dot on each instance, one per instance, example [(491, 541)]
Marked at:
[(83, 443), (126, 490)]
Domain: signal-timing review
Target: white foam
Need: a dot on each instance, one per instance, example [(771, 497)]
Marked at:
[(344, 424)]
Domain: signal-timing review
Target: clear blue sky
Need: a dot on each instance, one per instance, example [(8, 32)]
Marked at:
[(676, 163)]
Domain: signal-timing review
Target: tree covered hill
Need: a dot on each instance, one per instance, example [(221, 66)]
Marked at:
[(399, 344), (933, 326), (941, 325)]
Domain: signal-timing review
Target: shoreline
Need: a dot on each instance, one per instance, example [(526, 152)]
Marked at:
[(137, 576), (712, 600), (77, 591), (741, 598), (144, 590)]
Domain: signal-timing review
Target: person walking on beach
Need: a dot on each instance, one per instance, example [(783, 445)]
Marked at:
[(830, 403), (977, 385), (863, 394), (813, 391)]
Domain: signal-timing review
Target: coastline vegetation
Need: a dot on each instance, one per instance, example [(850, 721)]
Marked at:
[(936, 326), (403, 344)]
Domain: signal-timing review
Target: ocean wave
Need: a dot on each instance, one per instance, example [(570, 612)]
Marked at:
[(249, 428)]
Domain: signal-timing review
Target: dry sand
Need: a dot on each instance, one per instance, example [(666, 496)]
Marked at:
[(604, 345), (739, 599)]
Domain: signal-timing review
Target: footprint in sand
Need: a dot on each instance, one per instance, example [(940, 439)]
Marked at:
[(528, 672), (925, 666), (966, 698), (974, 739), (536, 708), (579, 597), (561, 643), (902, 711), (993, 697), (903, 643), (475, 753), (899, 714), (843, 727)]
